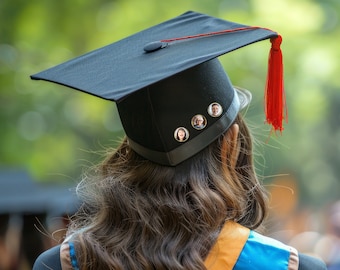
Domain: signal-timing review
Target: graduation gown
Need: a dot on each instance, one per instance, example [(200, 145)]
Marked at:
[(237, 248)]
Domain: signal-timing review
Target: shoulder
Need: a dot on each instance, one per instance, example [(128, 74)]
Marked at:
[(310, 263), (259, 249), (239, 248), (61, 257), (262, 252), (50, 259)]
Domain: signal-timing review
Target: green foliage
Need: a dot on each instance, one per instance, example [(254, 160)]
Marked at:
[(53, 131)]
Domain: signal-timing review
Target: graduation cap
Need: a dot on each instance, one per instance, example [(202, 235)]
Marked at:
[(19, 194), (173, 96)]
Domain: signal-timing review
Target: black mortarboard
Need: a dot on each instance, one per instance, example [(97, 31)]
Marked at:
[(173, 96)]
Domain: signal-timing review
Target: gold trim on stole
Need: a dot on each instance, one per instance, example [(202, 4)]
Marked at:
[(228, 247)]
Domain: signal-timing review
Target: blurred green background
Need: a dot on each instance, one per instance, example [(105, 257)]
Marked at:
[(54, 132)]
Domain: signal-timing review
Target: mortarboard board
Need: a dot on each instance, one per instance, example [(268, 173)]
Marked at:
[(173, 96)]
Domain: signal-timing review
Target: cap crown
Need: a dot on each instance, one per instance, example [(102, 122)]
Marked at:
[(152, 116)]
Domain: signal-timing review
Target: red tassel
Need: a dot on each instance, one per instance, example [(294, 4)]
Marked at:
[(275, 100)]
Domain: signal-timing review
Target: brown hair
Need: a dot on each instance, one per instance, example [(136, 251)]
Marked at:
[(141, 215)]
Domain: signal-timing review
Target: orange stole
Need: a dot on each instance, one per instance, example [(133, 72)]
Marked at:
[(229, 245)]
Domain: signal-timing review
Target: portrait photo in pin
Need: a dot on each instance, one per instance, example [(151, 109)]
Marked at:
[(215, 109), (181, 134), (199, 121)]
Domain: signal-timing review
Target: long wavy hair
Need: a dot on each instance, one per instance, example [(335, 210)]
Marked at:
[(141, 215)]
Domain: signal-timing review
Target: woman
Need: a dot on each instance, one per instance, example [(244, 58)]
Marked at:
[(150, 216), (156, 202), (181, 134)]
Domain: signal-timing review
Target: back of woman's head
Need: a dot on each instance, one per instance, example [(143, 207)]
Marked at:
[(168, 217)]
